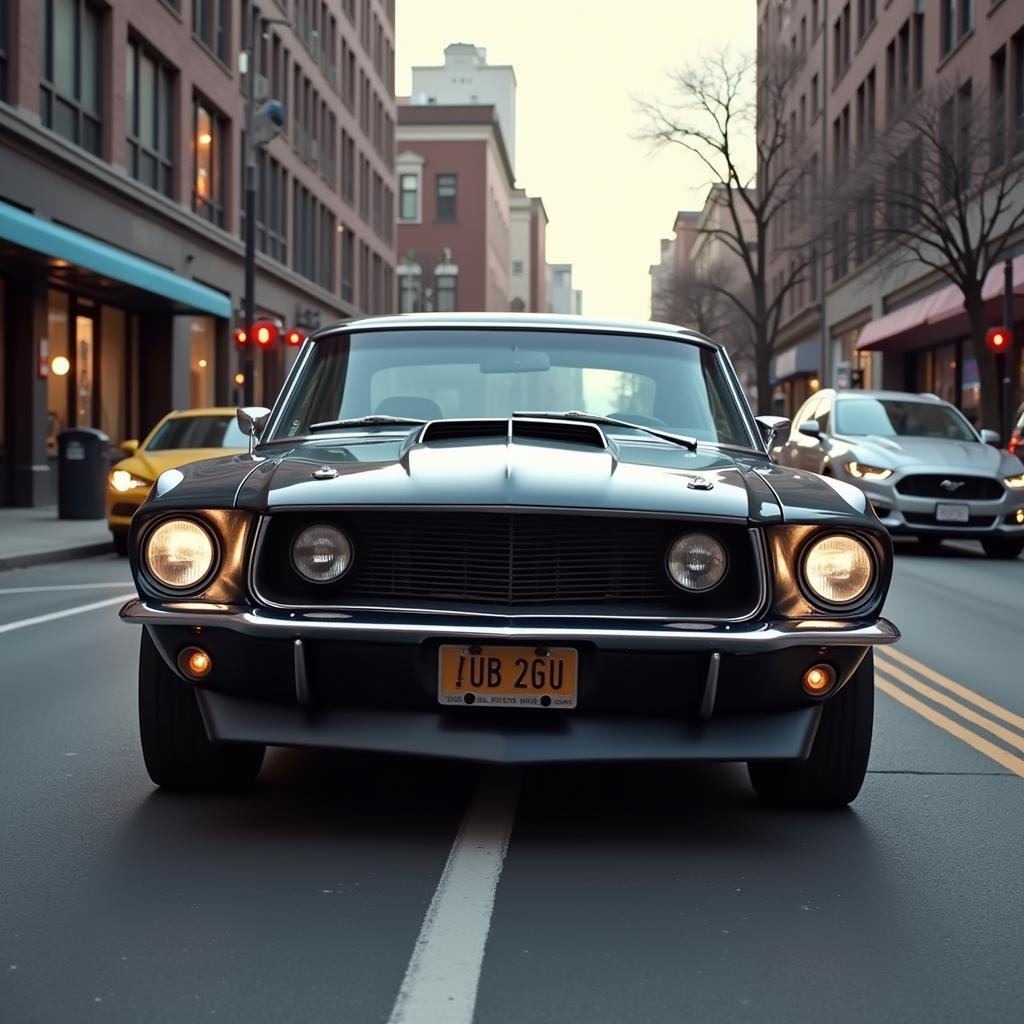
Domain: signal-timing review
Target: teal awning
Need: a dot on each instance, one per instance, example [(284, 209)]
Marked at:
[(41, 236)]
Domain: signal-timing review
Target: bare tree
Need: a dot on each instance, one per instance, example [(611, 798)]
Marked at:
[(731, 115), (943, 188)]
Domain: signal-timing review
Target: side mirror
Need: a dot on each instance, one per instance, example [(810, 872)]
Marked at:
[(129, 447), (251, 420), (810, 428), (771, 427), (990, 437)]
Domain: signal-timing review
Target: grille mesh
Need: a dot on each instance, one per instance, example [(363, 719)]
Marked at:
[(972, 488), (500, 558)]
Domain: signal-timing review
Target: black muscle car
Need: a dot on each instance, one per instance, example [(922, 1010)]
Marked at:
[(510, 539)]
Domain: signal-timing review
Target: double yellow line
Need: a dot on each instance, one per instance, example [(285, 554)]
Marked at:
[(901, 677)]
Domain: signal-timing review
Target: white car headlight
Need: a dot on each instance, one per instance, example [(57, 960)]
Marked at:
[(1015, 483), (322, 553), (696, 561), (838, 569), (179, 553), (864, 472), (123, 481)]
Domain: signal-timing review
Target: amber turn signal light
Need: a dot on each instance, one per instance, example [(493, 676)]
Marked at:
[(195, 663), (819, 679)]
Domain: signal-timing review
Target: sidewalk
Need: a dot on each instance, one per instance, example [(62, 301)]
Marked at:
[(34, 536)]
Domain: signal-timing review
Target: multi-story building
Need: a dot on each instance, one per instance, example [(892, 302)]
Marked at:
[(861, 62), (121, 204), (674, 262), (528, 281), (562, 297), (455, 190)]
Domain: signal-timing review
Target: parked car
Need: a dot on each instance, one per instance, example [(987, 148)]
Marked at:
[(926, 471), (509, 539), (180, 437)]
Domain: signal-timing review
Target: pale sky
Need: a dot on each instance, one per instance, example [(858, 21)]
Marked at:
[(578, 64)]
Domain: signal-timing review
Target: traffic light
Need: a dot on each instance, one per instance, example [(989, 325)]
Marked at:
[(264, 333), (294, 337), (998, 339), (241, 337)]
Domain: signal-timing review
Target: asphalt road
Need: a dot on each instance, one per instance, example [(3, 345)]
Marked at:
[(369, 889)]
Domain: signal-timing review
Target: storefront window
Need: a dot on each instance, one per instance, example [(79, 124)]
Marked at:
[(57, 385), (85, 350), (202, 363), (943, 381), (970, 401), (113, 378)]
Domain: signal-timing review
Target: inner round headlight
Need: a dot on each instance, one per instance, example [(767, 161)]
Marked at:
[(838, 569), (696, 561), (322, 553), (179, 553)]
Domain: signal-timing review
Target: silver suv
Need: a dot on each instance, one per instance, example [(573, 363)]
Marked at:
[(925, 470)]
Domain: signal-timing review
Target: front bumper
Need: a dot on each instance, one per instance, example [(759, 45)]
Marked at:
[(648, 690)]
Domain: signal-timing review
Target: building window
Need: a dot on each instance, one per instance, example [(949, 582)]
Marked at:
[(409, 289), (409, 197), (517, 267), (998, 154), (447, 193), (210, 24), (208, 135), (1017, 126), (70, 92), (149, 109), (348, 263), (4, 15), (446, 289), (271, 183)]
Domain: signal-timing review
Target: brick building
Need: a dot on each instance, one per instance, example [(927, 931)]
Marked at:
[(121, 195)]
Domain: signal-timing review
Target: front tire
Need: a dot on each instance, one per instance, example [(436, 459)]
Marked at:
[(177, 752), (834, 772), (1002, 547)]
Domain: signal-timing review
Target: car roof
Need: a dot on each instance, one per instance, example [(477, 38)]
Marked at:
[(899, 396), (529, 321)]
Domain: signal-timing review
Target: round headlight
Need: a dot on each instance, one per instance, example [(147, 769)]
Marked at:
[(322, 553), (696, 561), (838, 569), (179, 553)]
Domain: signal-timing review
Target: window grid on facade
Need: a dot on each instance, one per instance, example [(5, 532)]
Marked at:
[(149, 116), (4, 17), (447, 196), (208, 136), (210, 24), (70, 91)]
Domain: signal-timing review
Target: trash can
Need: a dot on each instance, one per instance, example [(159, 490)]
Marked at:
[(82, 473)]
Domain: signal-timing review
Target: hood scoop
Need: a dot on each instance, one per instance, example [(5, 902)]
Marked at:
[(587, 434)]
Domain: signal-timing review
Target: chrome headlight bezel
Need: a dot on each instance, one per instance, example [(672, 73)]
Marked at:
[(346, 543), (154, 580), (816, 600), (687, 536)]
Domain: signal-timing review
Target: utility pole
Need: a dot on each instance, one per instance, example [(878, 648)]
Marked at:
[(273, 116), (824, 359), (1011, 361)]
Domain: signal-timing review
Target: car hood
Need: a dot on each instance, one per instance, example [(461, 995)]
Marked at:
[(651, 477), (935, 452), (149, 465)]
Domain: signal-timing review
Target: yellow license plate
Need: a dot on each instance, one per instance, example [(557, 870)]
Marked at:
[(523, 677)]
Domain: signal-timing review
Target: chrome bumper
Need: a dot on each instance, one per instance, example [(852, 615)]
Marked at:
[(611, 633)]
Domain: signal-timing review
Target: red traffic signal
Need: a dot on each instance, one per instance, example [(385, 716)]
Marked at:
[(294, 337), (998, 339), (264, 333), (241, 337)]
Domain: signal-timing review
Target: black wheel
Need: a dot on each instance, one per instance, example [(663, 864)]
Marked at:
[(177, 752), (1002, 547), (120, 538), (834, 772)]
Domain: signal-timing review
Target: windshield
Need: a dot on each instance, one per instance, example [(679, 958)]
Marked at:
[(198, 432), (473, 374), (894, 417)]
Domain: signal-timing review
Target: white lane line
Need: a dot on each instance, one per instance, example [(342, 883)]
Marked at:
[(66, 586), (37, 619), (441, 980)]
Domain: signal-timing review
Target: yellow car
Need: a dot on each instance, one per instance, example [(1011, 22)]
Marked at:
[(180, 437)]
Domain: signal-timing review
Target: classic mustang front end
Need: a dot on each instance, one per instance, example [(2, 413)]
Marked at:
[(529, 588)]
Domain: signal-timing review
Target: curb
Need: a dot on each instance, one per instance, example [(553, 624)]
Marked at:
[(32, 558)]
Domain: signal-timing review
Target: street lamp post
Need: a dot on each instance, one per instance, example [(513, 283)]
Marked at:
[(274, 114)]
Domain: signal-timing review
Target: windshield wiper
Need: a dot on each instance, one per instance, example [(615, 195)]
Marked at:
[(367, 421), (608, 421)]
